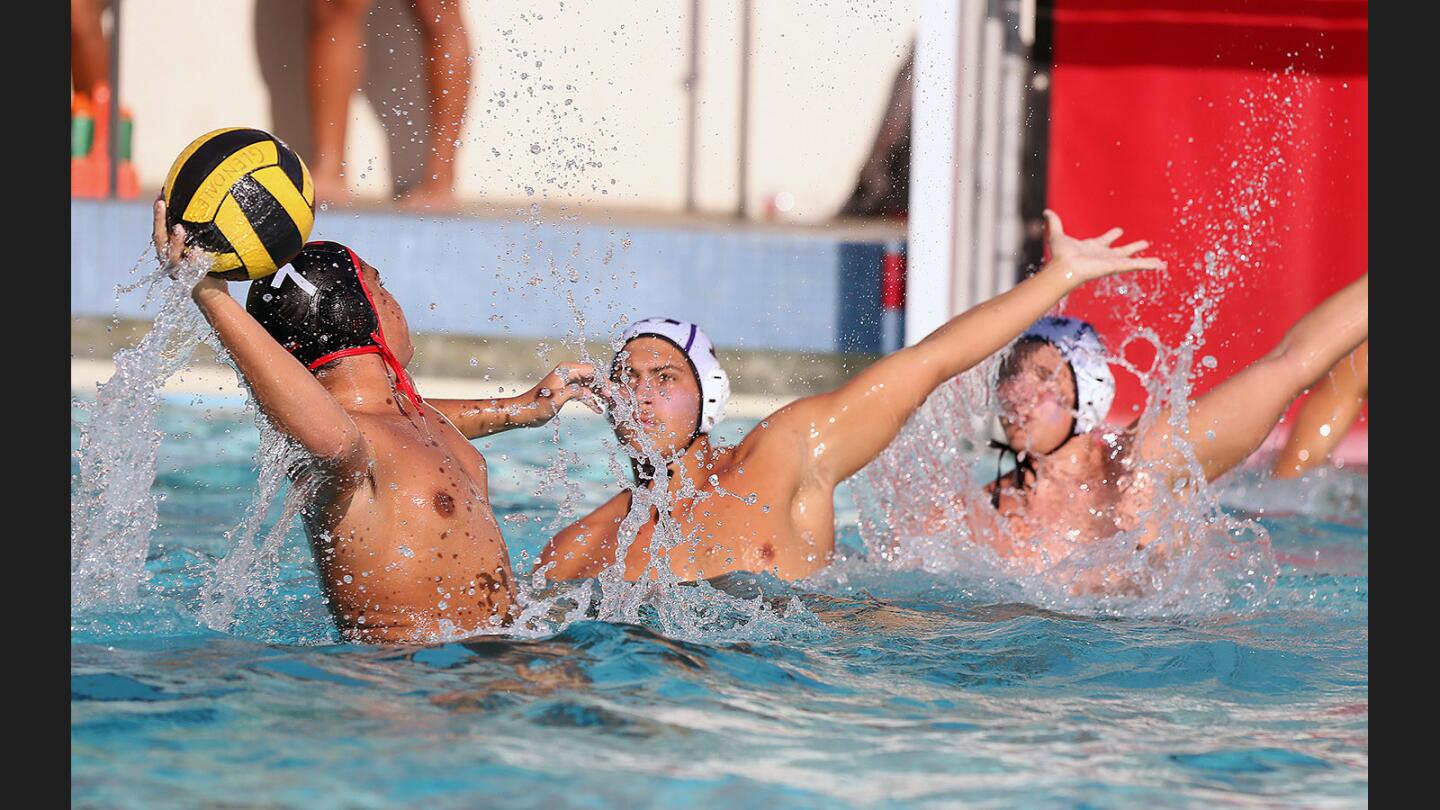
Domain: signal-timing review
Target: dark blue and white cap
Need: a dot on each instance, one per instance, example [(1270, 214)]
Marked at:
[(1082, 348), (697, 348)]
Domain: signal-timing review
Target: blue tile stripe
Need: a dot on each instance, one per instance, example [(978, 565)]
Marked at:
[(511, 278)]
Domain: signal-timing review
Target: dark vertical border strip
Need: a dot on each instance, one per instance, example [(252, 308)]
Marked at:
[(1035, 146)]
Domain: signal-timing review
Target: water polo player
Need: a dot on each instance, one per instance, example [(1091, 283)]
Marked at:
[(400, 523), (767, 504), (1077, 479)]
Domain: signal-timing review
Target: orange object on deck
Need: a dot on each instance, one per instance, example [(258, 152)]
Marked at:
[(90, 148)]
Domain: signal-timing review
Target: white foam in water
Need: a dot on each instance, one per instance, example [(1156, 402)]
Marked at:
[(112, 508)]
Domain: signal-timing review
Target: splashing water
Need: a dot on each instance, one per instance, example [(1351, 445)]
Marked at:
[(112, 510), (248, 574), (658, 599), (239, 588), (915, 497), (1228, 208)]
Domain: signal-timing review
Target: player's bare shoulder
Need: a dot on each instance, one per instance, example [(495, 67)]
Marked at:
[(777, 445)]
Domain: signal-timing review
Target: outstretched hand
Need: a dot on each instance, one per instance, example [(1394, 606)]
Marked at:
[(1089, 259), (568, 381)]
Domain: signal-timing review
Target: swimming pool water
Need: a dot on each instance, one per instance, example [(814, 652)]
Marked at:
[(890, 688)]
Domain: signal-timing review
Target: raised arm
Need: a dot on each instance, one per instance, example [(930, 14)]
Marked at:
[(481, 417), (844, 429), (286, 392), (1326, 417), (1227, 423)]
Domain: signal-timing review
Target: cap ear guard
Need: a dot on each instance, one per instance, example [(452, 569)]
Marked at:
[(715, 389)]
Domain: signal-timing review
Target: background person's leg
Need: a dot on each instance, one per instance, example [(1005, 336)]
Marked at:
[(447, 82), (335, 60), (89, 52)]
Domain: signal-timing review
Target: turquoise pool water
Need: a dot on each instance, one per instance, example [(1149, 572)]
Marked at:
[(888, 688)]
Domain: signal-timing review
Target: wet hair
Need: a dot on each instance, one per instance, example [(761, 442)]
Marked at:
[(318, 306)]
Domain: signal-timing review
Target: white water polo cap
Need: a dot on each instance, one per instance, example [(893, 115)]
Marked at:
[(1082, 348), (697, 348)]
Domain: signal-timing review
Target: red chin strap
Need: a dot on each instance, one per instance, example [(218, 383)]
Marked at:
[(403, 383)]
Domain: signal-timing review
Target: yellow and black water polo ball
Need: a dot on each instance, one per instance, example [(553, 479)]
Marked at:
[(243, 196)]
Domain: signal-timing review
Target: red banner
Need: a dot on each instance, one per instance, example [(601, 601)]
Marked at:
[(1232, 135)]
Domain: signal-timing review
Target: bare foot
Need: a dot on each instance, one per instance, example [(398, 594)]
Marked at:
[(435, 199)]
